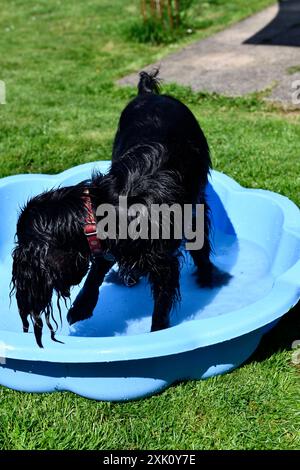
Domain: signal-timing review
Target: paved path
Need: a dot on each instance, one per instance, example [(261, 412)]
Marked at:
[(253, 55)]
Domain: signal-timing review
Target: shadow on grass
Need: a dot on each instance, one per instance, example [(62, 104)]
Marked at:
[(280, 338), (284, 29)]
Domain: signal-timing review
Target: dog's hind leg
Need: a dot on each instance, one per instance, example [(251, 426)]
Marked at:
[(208, 275), (87, 298), (165, 288)]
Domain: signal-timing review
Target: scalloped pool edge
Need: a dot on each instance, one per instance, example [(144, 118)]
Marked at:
[(123, 368)]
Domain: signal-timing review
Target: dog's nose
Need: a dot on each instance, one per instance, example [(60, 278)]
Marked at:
[(129, 281)]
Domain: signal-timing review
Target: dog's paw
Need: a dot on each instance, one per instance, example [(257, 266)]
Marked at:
[(159, 326), (214, 277), (82, 308), (76, 314)]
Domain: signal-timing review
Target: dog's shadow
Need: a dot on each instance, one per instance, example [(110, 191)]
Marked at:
[(127, 311)]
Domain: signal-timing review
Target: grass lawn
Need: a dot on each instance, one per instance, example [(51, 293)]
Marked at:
[(59, 60)]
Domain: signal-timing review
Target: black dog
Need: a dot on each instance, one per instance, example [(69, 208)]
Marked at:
[(160, 155)]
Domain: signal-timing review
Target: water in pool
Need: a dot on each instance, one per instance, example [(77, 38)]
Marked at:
[(127, 311)]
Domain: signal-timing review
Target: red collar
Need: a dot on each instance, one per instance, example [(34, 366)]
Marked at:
[(90, 225)]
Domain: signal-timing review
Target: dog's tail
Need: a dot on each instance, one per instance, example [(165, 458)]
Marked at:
[(149, 82)]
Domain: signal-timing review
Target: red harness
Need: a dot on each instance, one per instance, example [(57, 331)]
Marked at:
[(90, 226)]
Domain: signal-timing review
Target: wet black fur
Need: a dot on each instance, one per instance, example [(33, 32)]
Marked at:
[(160, 155)]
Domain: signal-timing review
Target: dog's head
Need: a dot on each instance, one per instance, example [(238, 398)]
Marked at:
[(51, 254)]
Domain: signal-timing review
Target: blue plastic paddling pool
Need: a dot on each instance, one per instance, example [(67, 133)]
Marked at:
[(112, 356)]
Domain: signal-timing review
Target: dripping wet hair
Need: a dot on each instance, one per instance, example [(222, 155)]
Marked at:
[(51, 255)]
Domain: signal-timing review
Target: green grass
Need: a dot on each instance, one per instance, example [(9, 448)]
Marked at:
[(59, 61), (293, 69)]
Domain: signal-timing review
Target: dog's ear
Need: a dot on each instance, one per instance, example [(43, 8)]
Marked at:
[(32, 283), (68, 267)]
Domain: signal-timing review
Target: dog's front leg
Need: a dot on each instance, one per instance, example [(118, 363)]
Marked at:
[(164, 281), (87, 298)]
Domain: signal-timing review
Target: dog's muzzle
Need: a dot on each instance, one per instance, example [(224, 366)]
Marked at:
[(129, 278)]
